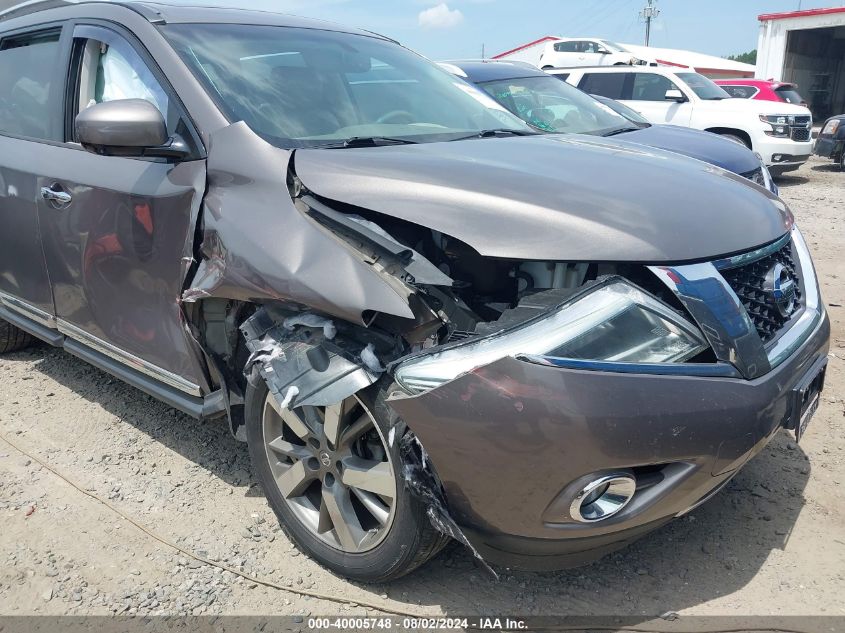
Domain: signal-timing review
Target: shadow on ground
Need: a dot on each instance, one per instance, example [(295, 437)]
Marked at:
[(786, 181), (709, 554)]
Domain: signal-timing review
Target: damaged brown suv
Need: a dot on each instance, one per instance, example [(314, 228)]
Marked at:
[(427, 320)]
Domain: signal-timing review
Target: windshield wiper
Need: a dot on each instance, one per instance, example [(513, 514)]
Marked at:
[(495, 132), (621, 130), (367, 141)]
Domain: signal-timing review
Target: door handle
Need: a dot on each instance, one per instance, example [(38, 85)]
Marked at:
[(53, 194)]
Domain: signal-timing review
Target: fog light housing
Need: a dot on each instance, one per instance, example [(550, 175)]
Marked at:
[(603, 497)]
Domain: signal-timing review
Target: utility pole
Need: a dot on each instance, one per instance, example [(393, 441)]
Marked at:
[(649, 13)]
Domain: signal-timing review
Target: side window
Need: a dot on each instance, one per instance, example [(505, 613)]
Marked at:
[(110, 69), (611, 85), (651, 87), (589, 47), (27, 69), (565, 47), (739, 92)]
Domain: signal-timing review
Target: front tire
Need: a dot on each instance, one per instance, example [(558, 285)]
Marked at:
[(336, 486), (13, 338), (735, 139)]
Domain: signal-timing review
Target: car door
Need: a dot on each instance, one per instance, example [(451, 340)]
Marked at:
[(118, 232), (590, 55), (30, 123), (648, 97)]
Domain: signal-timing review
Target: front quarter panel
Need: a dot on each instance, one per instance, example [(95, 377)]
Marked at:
[(257, 246)]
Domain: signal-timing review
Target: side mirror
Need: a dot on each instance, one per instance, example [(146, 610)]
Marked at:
[(603, 51), (127, 127), (675, 95)]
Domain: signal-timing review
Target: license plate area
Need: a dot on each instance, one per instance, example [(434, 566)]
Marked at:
[(806, 397)]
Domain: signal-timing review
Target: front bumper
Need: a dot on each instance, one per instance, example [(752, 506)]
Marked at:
[(829, 147), (783, 152), (509, 441)]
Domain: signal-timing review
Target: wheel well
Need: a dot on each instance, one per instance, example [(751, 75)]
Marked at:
[(733, 132)]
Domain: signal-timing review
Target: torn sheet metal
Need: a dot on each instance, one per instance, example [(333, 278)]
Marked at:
[(422, 481), (300, 365), (256, 246), (378, 245)]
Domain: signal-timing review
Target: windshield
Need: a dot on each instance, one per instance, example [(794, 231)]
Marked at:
[(703, 87), (614, 47), (551, 105), (621, 108), (308, 88)]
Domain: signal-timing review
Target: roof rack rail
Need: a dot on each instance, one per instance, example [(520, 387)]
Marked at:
[(153, 15)]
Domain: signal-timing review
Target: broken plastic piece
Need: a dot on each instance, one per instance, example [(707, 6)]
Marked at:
[(369, 358), (292, 392), (301, 367), (312, 320), (423, 484)]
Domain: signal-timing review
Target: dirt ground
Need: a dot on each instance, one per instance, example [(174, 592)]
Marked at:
[(772, 542)]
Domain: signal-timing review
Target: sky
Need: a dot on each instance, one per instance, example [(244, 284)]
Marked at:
[(450, 29)]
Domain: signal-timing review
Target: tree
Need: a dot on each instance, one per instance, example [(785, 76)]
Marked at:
[(746, 58)]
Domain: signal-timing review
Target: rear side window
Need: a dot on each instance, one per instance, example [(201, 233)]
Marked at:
[(566, 47), (790, 95), (27, 70), (610, 85), (740, 92)]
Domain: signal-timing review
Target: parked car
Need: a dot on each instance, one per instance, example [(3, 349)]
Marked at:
[(409, 303), (779, 132), (573, 52), (762, 90), (552, 105), (831, 140)]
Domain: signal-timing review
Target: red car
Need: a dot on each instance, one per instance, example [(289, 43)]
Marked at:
[(762, 89)]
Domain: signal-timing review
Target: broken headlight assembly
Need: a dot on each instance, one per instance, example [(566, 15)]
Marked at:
[(614, 321)]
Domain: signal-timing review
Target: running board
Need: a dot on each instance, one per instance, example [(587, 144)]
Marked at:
[(48, 335), (211, 406)]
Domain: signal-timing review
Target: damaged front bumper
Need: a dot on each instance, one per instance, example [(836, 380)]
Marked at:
[(514, 440)]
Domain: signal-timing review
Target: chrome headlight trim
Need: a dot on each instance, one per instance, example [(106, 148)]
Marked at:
[(586, 323)]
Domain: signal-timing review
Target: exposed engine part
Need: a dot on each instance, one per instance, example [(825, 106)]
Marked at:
[(301, 366)]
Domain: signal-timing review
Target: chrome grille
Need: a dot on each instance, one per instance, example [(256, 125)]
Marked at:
[(748, 281)]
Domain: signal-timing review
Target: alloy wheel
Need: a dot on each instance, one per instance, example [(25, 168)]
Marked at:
[(332, 467)]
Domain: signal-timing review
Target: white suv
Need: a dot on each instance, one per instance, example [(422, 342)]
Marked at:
[(571, 53), (779, 132)]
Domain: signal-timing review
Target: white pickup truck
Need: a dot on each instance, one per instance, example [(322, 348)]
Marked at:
[(779, 132)]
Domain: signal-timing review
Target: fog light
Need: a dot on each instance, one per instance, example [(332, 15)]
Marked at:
[(777, 158), (603, 497)]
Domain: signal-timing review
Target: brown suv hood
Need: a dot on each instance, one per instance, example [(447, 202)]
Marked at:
[(555, 197)]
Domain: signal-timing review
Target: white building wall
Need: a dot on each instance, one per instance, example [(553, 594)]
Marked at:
[(773, 36)]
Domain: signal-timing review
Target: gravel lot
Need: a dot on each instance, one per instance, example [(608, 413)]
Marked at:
[(773, 542)]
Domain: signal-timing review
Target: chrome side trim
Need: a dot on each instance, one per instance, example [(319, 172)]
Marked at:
[(31, 312), (720, 315), (752, 256), (813, 312), (714, 370), (139, 364)]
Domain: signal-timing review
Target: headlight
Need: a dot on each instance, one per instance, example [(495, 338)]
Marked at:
[(614, 321), (831, 126), (779, 122), (767, 182)]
